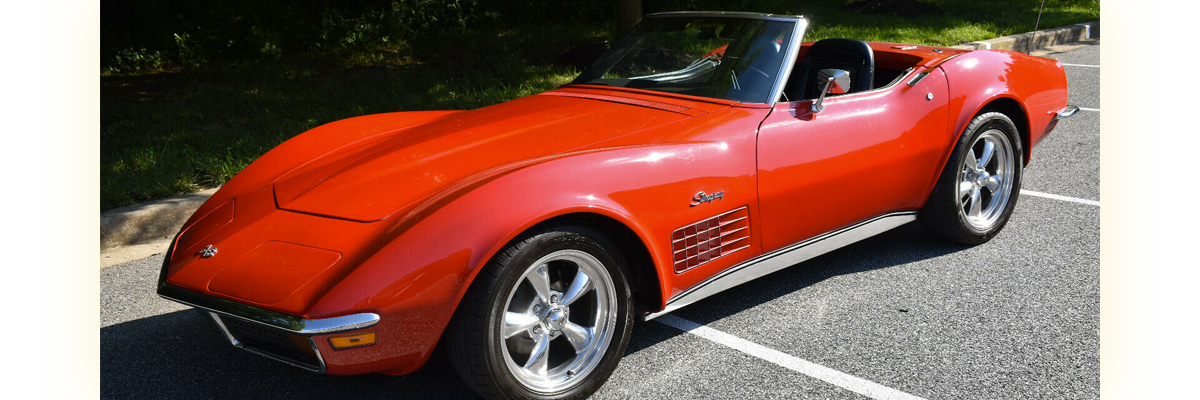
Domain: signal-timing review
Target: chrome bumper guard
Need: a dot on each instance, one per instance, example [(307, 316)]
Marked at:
[(269, 333), (1066, 112)]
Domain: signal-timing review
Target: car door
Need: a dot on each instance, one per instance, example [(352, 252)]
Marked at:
[(864, 155)]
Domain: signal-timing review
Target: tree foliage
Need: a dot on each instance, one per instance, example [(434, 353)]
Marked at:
[(154, 34)]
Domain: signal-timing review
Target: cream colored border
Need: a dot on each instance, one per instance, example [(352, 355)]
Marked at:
[(1182, 276), (1133, 189), (67, 201)]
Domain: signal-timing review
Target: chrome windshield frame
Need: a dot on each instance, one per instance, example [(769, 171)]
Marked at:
[(789, 61), (799, 25), (729, 14)]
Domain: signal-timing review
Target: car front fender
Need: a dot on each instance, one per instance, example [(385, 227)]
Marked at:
[(425, 261)]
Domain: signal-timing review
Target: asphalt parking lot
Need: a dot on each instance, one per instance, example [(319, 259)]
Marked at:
[(900, 315)]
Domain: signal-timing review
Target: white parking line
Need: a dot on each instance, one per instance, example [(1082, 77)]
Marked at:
[(1063, 198), (1081, 65), (834, 377), (1089, 109)]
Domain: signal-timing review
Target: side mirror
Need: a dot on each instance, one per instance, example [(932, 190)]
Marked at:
[(836, 81)]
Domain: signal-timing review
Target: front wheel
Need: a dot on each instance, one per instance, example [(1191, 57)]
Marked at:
[(549, 318), (978, 189)]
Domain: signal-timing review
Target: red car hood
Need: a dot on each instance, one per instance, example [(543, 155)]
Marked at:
[(378, 178)]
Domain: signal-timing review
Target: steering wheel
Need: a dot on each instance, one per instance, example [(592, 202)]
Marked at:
[(764, 74), (751, 77)]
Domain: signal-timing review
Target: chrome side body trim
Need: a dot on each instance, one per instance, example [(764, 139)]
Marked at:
[(786, 257), (296, 325)]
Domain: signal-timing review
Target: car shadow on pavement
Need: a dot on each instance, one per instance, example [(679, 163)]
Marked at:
[(905, 244), (182, 354)]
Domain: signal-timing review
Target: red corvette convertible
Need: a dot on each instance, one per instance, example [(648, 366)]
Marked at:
[(702, 151)]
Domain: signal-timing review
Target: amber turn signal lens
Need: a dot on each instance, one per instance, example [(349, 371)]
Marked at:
[(346, 342)]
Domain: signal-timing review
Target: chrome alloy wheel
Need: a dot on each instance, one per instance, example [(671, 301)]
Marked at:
[(559, 320), (986, 179)]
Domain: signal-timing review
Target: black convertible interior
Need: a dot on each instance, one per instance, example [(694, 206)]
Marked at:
[(853, 56)]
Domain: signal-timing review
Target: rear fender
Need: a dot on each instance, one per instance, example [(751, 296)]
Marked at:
[(1037, 85)]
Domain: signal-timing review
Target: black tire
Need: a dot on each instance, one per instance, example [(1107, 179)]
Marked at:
[(490, 363), (963, 207)]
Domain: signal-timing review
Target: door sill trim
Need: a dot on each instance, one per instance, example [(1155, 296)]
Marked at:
[(788, 256)]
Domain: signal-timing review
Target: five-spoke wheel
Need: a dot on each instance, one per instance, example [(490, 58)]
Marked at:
[(559, 320), (985, 179), (549, 317), (978, 188)]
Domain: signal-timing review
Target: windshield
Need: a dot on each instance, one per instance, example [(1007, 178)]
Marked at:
[(720, 57)]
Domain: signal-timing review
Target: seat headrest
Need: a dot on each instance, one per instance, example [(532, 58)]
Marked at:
[(843, 48), (854, 56)]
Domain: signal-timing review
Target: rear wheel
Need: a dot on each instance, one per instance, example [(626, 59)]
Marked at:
[(978, 189), (549, 317)]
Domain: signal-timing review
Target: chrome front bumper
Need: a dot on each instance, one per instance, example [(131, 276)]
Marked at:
[(268, 333)]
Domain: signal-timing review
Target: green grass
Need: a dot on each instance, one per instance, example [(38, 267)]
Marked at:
[(165, 132), (964, 21)]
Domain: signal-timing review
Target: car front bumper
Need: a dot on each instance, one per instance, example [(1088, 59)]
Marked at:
[(274, 335)]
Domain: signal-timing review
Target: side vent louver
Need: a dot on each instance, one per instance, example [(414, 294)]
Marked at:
[(710, 239)]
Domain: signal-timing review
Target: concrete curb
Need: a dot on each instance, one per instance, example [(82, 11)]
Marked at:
[(148, 222), (1039, 40), (159, 220)]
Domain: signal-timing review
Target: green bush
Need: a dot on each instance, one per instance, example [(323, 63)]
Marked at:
[(149, 34)]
